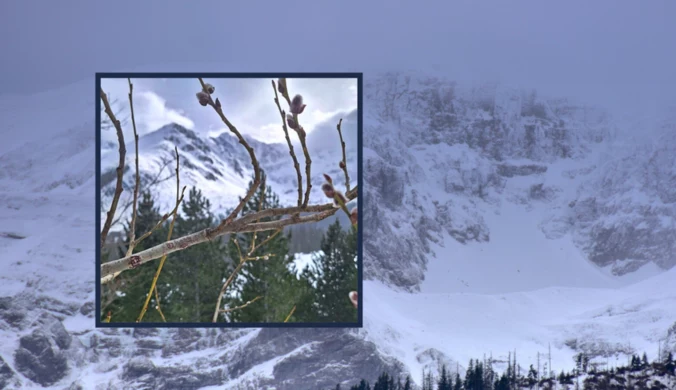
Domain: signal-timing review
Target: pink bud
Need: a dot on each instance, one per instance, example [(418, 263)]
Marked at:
[(328, 190), (354, 216), (203, 98), (281, 86), (354, 298), (328, 178), (297, 106), (292, 123)]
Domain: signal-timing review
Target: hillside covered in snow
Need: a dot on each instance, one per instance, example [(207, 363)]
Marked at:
[(496, 220)]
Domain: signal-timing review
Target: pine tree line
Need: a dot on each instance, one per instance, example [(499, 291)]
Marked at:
[(638, 374), (270, 290)]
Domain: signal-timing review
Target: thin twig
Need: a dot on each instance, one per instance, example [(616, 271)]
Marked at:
[(120, 168), (242, 260), (224, 288), (252, 155), (261, 200), (154, 181), (344, 162), (270, 237), (159, 309), (132, 229), (290, 314), (308, 161), (352, 193), (162, 220), (171, 229), (296, 165), (240, 306)]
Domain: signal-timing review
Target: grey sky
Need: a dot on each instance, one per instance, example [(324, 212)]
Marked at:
[(620, 54), (248, 103)]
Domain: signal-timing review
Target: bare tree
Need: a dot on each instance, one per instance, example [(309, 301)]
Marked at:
[(231, 224)]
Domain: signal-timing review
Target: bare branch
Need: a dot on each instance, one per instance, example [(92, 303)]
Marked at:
[(352, 193), (132, 230), (158, 307), (343, 163), (242, 260), (135, 260), (216, 105), (239, 226), (161, 221), (120, 169), (106, 123), (261, 200), (296, 165), (240, 306), (153, 285), (290, 314), (151, 183), (225, 287)]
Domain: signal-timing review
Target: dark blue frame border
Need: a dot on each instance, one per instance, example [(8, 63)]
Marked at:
[(360, 199)]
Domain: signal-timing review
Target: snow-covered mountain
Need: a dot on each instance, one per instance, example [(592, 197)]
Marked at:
[(495, 220), (221, 168)]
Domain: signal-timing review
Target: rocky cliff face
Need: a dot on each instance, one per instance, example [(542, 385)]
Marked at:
[(439, 157)]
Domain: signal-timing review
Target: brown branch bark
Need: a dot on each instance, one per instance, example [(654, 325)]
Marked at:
[(296, 165), (344, 162), (120, 168), (241, 225), (132, 229), (135, 260), (249, 149), (308, 161)]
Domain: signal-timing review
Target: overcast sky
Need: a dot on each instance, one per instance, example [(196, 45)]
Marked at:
[(621, 54), (247, 103)]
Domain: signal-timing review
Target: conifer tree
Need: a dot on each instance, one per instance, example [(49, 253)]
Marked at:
[(407, 384), (444, 382), (470, 384), (336, 269), (458, 382), (195, 274), (384, 382), (270, 279), (532, 376), (363, 385), (670, 365)]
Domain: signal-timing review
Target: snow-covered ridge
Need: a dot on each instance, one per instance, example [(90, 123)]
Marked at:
[(221, 168), (448, 164)]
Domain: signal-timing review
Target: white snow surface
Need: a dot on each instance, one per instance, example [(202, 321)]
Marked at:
[(520, 292)]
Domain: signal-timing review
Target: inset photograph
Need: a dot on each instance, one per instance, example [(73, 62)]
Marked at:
[(229, 200)]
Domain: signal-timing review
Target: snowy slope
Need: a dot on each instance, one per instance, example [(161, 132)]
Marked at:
[(221, 168), (500, 248)]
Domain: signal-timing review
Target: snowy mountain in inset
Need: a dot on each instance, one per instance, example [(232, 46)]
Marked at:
[(221, 168)]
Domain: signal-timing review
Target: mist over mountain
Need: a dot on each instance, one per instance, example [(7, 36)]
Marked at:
[(495, 219)]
